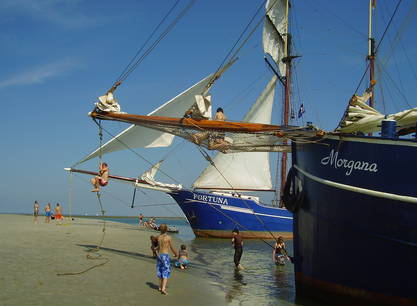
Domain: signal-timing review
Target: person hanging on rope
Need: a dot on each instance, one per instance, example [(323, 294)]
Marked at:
[(102, 178)]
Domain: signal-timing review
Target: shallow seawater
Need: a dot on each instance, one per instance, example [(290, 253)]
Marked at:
[(260, 283)]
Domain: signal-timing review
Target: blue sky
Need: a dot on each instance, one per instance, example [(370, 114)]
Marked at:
[(59, 56)]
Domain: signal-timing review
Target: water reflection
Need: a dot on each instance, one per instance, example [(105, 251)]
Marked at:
[(260, 283), (235, 290)]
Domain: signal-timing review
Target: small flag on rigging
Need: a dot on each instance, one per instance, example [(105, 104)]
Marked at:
[(301, 111), (292, 114)]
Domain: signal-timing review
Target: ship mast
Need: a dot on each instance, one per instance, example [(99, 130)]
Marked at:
[(286, 107), (371, 54)]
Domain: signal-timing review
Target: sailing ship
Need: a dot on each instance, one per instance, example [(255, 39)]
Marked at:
[(241, 166), (354, 201)]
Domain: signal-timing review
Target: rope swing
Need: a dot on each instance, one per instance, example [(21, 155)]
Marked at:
[(93, 252)]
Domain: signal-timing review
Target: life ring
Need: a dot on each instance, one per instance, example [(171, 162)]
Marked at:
[(291, 197)]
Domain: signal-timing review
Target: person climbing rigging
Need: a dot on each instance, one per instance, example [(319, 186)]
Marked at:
[(102, 178)]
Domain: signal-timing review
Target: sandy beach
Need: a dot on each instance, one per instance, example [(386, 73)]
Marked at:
[(32, 255)]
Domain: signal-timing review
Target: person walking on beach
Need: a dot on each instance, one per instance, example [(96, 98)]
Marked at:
[(237, 243), (163, 261), (48, 213), (58, 212), (36, 209), (140, 220)]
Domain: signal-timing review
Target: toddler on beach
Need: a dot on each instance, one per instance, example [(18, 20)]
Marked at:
[(183, 261), (154, 245)]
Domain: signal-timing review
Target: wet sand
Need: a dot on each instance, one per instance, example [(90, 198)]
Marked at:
[(32, 255)]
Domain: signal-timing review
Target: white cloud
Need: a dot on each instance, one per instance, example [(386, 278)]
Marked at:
[(40, 74), (63, 12)]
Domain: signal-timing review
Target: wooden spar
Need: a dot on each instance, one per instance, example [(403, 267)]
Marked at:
[(138, 183), (209, 125), (234, 189), (116, 177)]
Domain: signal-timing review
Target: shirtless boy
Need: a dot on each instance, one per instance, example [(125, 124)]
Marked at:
[(163, 261), (102, 179), (58, 212)]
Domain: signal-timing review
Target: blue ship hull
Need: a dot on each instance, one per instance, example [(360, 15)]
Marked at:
[(355, 229), (216, 215)]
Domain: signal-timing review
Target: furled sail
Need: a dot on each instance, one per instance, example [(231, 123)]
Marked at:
[(108, 103), (142, 137), (243, 171), (274, 33), (360, 117), (149, 177)]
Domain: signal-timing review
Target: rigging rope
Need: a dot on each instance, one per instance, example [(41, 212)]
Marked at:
[(128, 71), (228, 56), (147, 40), (379, 43), (136, 153)]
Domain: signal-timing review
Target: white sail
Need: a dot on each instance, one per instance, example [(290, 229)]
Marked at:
[(246, 170), (149, 177), (142, 137), (274, 33)]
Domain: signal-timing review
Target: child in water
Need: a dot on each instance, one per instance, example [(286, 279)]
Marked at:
[(183, 260), (279, 253)]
